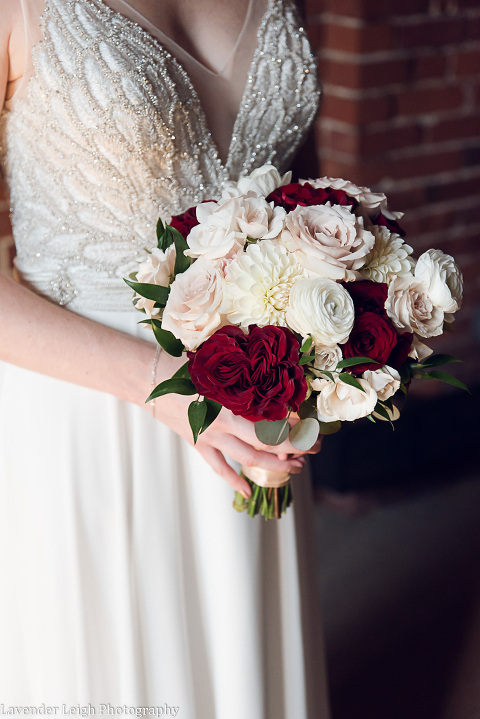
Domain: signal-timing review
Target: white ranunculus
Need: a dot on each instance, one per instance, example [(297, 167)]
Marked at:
[(261, 181), (224, 227), (157, 269), (371, 202), (410, 308), (443, 279), (329, 240), (258, 283), (321, 308), (327, 357), (340, 401), (385, 381), (389, 257), (194, 309)]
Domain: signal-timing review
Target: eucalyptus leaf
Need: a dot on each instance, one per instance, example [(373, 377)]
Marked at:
[(304, 434), (172, 385), (157, 293), (348, 379), (352, 361), (272, 433), (197, 411), (447, 378), (167, 340), (330, 427), (306, 359), (307, 345), (307, 409)]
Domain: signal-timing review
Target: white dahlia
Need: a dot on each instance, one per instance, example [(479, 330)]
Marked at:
[(389, 257), (258, 283)]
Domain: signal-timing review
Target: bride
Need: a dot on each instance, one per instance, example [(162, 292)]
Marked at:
[(127, 578)]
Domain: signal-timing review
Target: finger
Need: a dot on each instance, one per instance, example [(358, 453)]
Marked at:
[(249, 456), (221, 467)]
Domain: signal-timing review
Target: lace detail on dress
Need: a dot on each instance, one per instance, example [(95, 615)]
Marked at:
[(112, 134)]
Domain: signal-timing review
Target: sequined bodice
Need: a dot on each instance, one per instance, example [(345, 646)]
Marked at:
[(112, 134)]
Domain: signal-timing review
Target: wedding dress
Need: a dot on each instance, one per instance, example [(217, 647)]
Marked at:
[(126, 576)]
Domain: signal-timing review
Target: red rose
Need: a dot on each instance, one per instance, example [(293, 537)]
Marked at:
[(399, 354), (367, 296), (256, 376), (373, 335), (184, 222), (391, 225), (291, 196)]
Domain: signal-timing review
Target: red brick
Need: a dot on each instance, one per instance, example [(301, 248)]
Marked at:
[(383, 141), (363, 173), (427, 67), (467, 63), (453, 190), (372, 38), (420, 102), (430, 33), (369, 9), (357, 112), (405, 200), (455, 129), (438, 220), (336, 141), (425, 165), (363, 75)]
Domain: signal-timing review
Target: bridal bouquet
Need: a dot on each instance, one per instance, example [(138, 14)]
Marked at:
[(299, 306)]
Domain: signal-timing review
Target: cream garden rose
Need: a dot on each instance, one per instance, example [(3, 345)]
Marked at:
[(327, 357), (329, 240), (442, 278), (262, 181), (371, 202), (410, 308), (321, 308), (157, 269), (341, 401), (224, 227), (385, 381), (258, 283), (194, 309)]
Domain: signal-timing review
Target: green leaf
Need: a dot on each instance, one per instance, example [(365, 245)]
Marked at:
[(182, 262), (379, 409), (182, 373), (304, 434), (272, 433), (369, 416), (436, 360), (352, 361), (307, 409), (306, 359), (157, 293), (164, 238), (167, 340), (172, 385), (197, 411), (307, 345), (447, 378), (348, 379), (405, 372), (330, 427), (144, 322), (213, 410)]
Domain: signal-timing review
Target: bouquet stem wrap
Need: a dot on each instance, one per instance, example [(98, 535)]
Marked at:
[(271, 493)]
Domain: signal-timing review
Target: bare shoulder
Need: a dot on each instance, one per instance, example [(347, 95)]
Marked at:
[(12, 45)]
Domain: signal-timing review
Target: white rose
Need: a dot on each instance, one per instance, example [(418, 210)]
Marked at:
[(261, 181), (327, 357), (389, 257), (258, 283), (328, 240), (340, 401), (194, 309), (372, 202), (224, 227), (321, 308), (156, 270), (411, 309), (443, 279), (385, 381)]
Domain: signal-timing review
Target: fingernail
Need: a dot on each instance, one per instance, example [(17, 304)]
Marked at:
[(297, 463), (245, 494)]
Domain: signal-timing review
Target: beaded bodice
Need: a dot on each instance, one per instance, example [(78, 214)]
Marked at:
[(111, 134)]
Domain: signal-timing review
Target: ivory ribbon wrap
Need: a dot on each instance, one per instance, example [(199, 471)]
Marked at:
[(266, 477)]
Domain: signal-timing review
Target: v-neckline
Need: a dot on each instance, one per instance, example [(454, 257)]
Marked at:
[(165, 40), (150, 39)]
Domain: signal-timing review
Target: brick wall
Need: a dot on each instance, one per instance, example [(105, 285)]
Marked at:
[(401, 113)]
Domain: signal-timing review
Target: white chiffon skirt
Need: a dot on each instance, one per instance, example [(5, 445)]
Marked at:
[(128, 580)]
